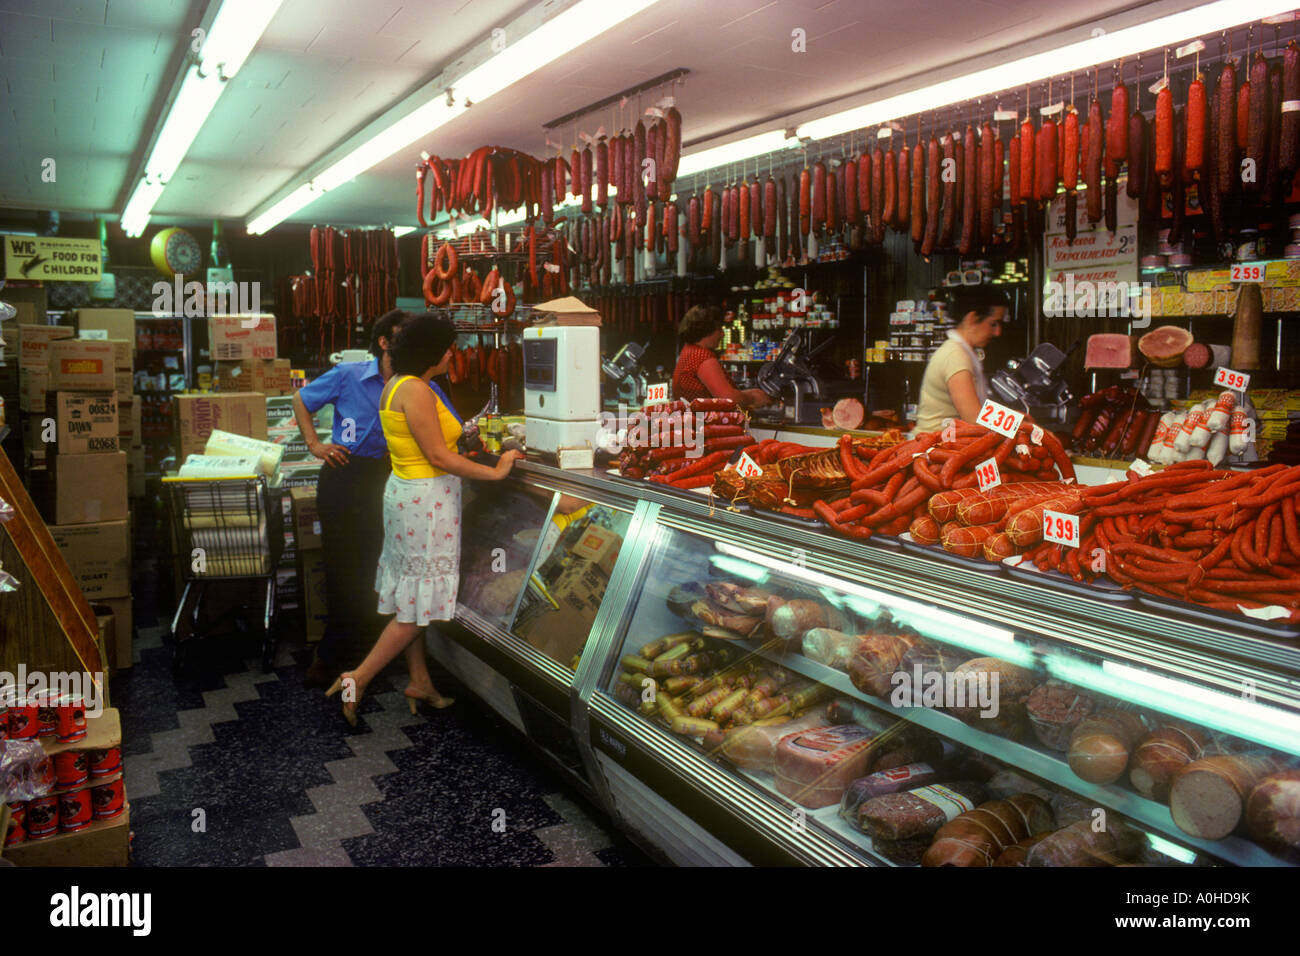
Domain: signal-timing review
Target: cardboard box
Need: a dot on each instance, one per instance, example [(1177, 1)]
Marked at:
[(315, 603), (81, 365), (125, 422), (243, 413), (89, 488), (228, 338), (306, 519), (35, 383), (99, 556), (268, 376), (121, 633), (118, 323), (85, 423), (34, 435), (123, 384), (123, 355), (34, 342), (565, 311)]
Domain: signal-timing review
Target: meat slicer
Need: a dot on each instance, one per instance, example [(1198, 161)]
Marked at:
[(625, 370), (1036, 383), (790, 375)]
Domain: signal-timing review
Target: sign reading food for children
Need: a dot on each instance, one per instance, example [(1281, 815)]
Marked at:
[(52, 257)]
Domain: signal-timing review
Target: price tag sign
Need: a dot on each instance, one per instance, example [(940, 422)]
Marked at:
[(986, 474), (1247, 272), (1036, 435), (1227, 378), (1140, 467), (1000, 419), (1061, 528), (747, 467), (657, 394)]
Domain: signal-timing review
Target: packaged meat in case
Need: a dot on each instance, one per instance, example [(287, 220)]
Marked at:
[(814, 767)]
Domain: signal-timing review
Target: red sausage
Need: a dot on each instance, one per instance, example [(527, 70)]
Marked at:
[(931, 234), (1027, 149), (970, 192), (917, 199), (852, 211), (1092, 164), (890, 205), (1070, 140), (1045, 161), (904, 190), (1226, 168), (1137, 154), (1117, 129), (818, 195), (1289, 147), (1194, 157)]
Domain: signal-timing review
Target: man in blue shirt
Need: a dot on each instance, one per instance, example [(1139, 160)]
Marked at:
[(350, 496)]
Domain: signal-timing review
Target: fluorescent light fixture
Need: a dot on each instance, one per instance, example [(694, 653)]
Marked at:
[(234, 32), (557, 37), (400, 231), (945, 626), (1016, 74), (1172, 850), (740, 150), (136, 214), (287, 206), (1233, 714)]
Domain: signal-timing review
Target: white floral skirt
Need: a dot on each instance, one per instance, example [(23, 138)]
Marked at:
[(419, 570)]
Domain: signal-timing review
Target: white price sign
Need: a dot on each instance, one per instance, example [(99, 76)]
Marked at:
[(1247, 272), (1140, 467), (1000, 419), (986, 474), (747, 467), (657, 394), (1061, 528), (1036, 435), (1227, 378)]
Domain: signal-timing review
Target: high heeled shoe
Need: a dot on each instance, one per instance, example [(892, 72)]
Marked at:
[(349, 707), (437, 701)]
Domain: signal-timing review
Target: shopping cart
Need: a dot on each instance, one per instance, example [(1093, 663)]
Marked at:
[(223, 529)]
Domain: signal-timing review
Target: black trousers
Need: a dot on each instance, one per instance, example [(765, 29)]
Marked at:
[(350, 501)]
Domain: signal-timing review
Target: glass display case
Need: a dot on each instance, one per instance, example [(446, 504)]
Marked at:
[(754, 693)]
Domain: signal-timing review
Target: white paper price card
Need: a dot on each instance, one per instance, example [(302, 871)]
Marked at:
[(986, 474), (747, 467), (1227, 378), (657, 394), (1247, 272), (1036, 435), (1000, 419), (1140, 467), (1061, 528)]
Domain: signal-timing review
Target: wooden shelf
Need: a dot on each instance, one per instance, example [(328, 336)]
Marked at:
[(90, 782), (102, 843), (102, 732)]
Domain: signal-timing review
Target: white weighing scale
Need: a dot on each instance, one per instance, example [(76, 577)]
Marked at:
[(562, 372)]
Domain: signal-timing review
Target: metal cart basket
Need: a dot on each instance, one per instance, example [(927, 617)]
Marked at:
[(223, 529)]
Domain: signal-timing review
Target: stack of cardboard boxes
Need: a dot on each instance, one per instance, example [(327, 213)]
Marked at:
[(87, 510), (244, 353), (118, 327)]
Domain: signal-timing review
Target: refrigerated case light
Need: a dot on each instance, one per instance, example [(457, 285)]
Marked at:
[(742, 569), (942, 625), (1174, 851), (1238, 716)]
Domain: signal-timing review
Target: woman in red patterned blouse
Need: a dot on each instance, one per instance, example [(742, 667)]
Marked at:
[(699, 374)]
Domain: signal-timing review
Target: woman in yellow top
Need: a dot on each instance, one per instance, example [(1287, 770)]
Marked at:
[(419, 570)]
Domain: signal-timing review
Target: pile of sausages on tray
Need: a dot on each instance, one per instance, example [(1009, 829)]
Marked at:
[(890, 493), (1225, 540), (663, 446)]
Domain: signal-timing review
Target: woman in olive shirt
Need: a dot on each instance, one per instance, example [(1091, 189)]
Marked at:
[(953, 385)]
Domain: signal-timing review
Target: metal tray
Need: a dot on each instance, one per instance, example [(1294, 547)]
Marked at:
[(932, 551), (1230, 619), (1100, 589)]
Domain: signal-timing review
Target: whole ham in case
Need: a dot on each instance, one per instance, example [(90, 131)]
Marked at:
[(813, 767)]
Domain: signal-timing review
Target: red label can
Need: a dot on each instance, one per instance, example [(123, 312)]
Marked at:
[(17, 832), (74, 810), (23, 719), (105, 762), (47, 713), (42, 817), (70, 768), (108, 799), (71, 716)]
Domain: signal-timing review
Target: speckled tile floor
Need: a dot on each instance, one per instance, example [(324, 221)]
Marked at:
[(240, 768)]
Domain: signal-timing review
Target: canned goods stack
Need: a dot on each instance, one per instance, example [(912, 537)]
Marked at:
[(79, 784), (916, 330)]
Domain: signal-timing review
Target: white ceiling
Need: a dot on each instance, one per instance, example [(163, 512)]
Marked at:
[(85, 80)]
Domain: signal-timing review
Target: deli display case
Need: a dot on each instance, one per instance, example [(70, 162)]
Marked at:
[(737, 691)]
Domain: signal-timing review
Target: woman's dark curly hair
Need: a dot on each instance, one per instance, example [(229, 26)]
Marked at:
[(699, 321), (385, 326), (421, 342)]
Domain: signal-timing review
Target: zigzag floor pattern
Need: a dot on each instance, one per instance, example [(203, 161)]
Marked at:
[(242, 768)]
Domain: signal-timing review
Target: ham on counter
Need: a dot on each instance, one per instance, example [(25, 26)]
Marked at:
[(1107, 350)]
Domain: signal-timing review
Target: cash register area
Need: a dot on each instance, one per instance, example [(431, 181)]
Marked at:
[(236, 767)]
